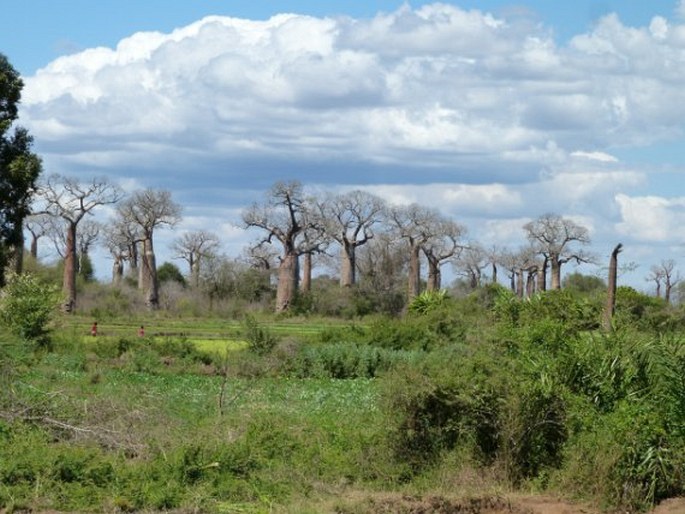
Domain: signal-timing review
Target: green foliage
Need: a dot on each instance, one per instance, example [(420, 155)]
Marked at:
[(583, 283), (260, 340), (27, 305), (344, 361), (428, 301), (169, 272)]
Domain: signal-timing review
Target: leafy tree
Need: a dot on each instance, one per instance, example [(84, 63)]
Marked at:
[(583, 283), (19, 170), (27, 306), (169, 272)]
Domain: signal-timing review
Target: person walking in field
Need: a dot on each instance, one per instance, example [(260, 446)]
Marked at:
[(94, 329), (141, 331)]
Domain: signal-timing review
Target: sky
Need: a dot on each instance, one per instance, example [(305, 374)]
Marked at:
[(494, 112)]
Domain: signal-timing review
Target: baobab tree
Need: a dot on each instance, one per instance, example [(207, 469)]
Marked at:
[(38, 225), (554, 238), (415, 224), (442, 245), (471, 263), (665, 272), (349, 220), (147, 210), (194, 247), (122, 238), (285, 216), (71, 201)]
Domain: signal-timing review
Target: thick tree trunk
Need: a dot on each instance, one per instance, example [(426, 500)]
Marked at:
[(611, 289), (542, 276), (434, 281), (306, 286), (194, 272), (519, 283), (530, 283), (149, 273), (69, 278), (117, 271), (287, 282), (348, 270), (556, 272), (34, 246), (414, 281)]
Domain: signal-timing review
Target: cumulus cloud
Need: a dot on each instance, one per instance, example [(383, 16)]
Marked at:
[(485, 117), (652, 218)]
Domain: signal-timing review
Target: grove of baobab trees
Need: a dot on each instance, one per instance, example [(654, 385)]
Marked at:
[(374, 244)]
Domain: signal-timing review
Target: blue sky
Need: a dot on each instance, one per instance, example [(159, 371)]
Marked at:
[(495, 112)]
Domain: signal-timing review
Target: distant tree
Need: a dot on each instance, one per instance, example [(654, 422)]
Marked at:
[(555, 238), (416, 225), (194, 247), (665, 271), (88, 235), (285, 216), (349, 220), (442, 245), (147, 210), (169, 272), (19, 170), (38, 225), (69, 200), (122, 237), (471, 263), (583, 283)]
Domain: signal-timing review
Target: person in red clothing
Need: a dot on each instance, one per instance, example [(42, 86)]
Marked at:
[(141, 331), (94, 329)]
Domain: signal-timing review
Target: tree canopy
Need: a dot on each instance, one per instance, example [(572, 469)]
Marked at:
[(19, 168)]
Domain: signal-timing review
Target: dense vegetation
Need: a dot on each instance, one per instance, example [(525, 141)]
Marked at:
[(300, 414)]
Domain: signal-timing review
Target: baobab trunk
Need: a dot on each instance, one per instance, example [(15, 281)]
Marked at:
[(556, 273), (306, 286), (542, 275), (348, 268), (287, 282), (149, 269), (34, 247), (414, 281), (69, 278), (434, 281), (530, 283), (611, 288), (117, 271), (519, 283)]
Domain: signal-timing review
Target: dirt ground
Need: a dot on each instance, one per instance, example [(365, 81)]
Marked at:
[(397, 504)]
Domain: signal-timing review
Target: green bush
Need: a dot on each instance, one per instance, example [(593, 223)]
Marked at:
[(27, 305), (260, 340)]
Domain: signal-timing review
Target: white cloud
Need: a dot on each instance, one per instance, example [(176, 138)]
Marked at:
[(651, 218), (594, 156)]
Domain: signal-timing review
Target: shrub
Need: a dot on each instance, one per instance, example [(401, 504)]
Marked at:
[(27, 306), (260, 340)]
